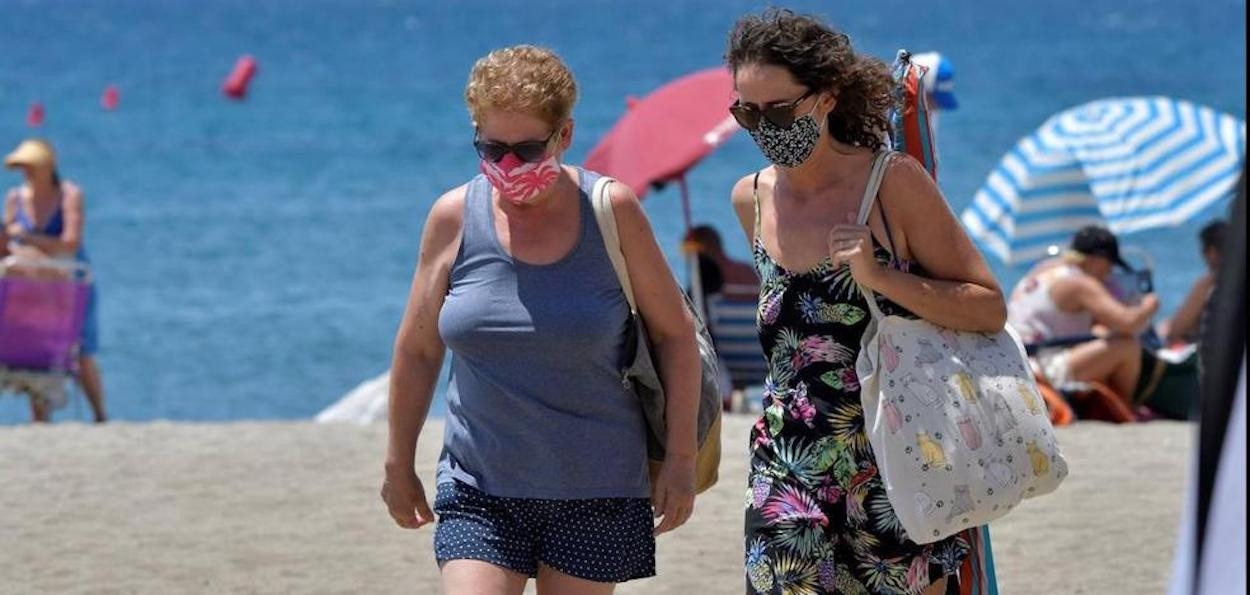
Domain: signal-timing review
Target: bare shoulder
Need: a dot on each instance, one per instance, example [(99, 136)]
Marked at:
[(446, 218), (907, 180), (625, 204)]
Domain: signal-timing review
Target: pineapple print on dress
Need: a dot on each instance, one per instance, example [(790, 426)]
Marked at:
[(816, 310), (758, 570)]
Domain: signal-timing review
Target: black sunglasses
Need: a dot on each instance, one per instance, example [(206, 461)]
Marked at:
[(780, 114), (530, 151)]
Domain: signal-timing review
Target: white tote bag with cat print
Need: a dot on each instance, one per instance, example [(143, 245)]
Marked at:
[(958, 427)]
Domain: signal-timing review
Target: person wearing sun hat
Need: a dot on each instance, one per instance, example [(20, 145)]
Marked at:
[(1058, 304), (44, 218)]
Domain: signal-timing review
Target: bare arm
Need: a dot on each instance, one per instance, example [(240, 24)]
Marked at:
[(7, 217), (73, 218), (961, 292), (1084, 293), (419, 349), (1185, 322), (672, 335), (668, 321), (743, 199)]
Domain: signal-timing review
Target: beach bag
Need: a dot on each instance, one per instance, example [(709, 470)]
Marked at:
[(641, 371), (911, 118), (955, 420)]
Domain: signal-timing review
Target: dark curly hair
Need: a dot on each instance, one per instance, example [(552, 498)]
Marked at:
[(821, 59)]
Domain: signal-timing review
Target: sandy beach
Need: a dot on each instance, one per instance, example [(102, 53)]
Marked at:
[(293, 508)]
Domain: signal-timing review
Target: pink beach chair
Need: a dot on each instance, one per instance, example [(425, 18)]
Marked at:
[(42, 305)]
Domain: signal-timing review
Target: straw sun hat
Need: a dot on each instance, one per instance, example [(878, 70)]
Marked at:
[(32, 153)]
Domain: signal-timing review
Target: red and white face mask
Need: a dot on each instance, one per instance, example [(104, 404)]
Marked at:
[(519, 182)]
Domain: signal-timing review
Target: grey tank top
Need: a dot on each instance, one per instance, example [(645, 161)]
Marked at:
[(536, 407)]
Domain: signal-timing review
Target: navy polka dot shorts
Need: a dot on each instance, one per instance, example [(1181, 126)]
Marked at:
[(607, 540)]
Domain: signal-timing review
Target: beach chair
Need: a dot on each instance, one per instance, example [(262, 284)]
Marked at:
[(42, 306), (731, 320)]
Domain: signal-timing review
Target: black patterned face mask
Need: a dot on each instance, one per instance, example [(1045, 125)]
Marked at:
[(787, 147)]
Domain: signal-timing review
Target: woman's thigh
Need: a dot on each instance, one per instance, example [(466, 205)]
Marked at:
[(554, 582), (475, 577)]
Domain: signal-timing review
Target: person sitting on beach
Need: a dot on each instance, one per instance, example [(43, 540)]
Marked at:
[(721, 280), (1184, 325), (44, 218), (1084, 334), (718, 273), (544, 468)]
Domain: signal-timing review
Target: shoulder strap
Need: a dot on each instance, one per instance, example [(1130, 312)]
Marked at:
[(865, 207), (611, 238), (874, 185)]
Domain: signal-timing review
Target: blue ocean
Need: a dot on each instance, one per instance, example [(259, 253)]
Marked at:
[(253, 257)]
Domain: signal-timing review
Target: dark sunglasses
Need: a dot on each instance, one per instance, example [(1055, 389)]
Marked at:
[(530, 151), (780, 114)]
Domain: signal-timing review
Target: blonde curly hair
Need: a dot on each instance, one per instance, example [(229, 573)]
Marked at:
[(522, 79)]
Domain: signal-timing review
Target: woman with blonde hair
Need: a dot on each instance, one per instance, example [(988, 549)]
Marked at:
[(44, 218), (543, 471)]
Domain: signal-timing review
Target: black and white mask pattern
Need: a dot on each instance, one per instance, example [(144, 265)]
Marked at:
[(787, 147)]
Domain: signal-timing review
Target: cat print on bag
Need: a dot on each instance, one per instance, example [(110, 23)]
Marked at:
[(1041, 462), (931, 452), (961, 504), (921, 391), (928, 354), (924, 504), (889, 354), (966, 386), (1030, 400), (893, 418), (1000, 474), (970, 431)]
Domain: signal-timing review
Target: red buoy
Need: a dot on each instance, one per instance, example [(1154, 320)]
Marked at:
[(235, 86), (34, 118), (111, 98)]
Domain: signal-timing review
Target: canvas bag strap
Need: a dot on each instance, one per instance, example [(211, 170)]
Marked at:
[(865, 208), (602, 204)]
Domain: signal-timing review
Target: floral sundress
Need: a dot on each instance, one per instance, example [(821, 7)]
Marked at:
[(817, 516)]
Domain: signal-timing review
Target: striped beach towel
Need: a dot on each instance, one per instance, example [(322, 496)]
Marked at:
[(976, 575), (732, 323), (911, 119)]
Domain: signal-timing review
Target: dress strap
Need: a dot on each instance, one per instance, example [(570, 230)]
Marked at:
[(755, 199)]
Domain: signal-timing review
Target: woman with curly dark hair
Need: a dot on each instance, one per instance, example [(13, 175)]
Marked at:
[(818, 519)]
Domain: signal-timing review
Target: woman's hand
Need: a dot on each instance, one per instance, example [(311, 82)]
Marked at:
[(405, 498), (672, 495), (851, 244), (15, 230)]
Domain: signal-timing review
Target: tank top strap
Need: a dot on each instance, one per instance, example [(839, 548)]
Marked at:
[(478, 233)]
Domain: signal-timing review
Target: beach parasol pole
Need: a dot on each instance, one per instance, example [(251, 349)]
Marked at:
[(692, 258)]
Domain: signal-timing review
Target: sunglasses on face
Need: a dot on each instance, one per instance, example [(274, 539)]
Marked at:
[(530, 151), (780, 114)]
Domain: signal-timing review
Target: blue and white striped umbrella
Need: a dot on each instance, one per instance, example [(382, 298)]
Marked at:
[(1129, 164)]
